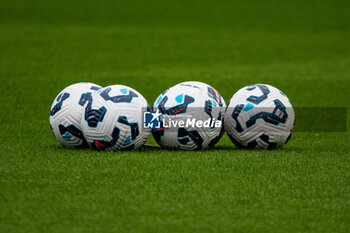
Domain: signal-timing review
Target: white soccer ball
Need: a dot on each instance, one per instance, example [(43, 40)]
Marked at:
[(113, 118), (259, 116), (66, 112), (191, 116)]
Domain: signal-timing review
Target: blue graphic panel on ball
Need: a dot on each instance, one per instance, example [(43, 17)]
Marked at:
[(118, 98), (184, 136), (134, 127), (208, 109), (92, 116), (127, 141), (178, 109), (71, 130), (277, 116), (103, 145), (271, 145), (95, 88), (189, 85), (215, 95), (159, 99), (258, 99), (248, 107), (58, 106), (67, 136), (179, 98), (235, 114)]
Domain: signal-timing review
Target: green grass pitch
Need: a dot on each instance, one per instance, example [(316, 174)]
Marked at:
[(301, 47)]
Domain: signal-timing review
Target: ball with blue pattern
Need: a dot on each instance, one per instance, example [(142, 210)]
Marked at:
[(189, 100), (66, 112), (113, 118), (259, 116)]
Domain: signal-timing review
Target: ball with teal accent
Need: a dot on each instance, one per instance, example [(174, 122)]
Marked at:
[(113, 119), (66, 112), (193, 101), (259, 116)]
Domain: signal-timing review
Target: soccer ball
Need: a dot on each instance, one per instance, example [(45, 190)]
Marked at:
[(191, 116), (65, 114), (113, 117), (259, 116)]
